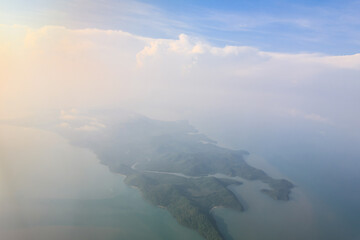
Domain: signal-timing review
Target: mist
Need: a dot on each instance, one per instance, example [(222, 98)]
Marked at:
[(56, 67), (259, 96), (299, 111)]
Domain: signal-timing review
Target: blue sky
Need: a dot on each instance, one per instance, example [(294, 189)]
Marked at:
[(330, 27)]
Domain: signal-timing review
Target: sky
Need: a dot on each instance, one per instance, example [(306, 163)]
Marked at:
[(329, 27), (275, 77), (255, 62), (279, 78)]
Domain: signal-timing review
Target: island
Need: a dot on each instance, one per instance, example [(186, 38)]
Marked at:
[(189, 200), (173, 165)]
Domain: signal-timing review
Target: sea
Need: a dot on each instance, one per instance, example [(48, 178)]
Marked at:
[(50, 189)]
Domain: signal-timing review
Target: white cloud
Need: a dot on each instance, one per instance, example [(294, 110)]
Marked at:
[(56, 67), (309, 116), (87, 128), (64, 125), (74, 120)]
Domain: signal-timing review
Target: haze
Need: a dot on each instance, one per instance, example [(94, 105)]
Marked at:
[(283, 84)]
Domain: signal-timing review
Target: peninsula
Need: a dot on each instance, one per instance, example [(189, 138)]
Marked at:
[(171, 164)]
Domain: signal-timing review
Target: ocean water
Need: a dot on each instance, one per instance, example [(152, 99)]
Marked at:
[(321, 160), (331, 182), (268, 219), (50, 189)]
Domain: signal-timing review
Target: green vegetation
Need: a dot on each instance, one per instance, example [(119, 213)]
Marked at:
[(189, 200), (143, 149)]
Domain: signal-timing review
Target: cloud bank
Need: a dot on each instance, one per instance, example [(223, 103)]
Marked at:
[(55, 67)]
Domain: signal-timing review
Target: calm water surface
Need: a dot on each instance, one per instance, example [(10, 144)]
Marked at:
[(50, 189)]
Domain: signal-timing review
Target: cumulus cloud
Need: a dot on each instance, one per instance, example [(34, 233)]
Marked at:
[(73, 120), (309, 116), (87, 128), (56, 67)]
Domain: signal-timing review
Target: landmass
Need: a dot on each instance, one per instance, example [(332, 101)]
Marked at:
[(171, 164), (189, 200)]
